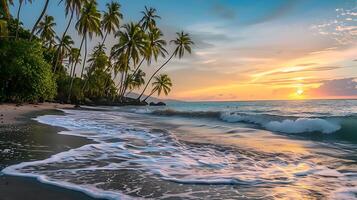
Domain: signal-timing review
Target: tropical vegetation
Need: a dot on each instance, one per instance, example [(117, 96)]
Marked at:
[(39, 64)]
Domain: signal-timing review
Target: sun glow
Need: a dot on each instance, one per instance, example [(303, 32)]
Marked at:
[(299, 92)]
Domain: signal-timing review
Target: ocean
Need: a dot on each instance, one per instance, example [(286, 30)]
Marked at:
[(304, 149)]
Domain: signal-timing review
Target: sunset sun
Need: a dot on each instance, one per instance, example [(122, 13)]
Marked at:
[(299, 92)]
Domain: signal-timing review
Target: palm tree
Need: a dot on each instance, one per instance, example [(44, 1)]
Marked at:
[(134, 81), (18, 16), (183, 43), (111, 19), (73, 57), (65, 49), (148, 20), (132, 44), (46, 30), (4, 9), (162, 83), (39, 19), (97, 59), (154, 47), (88, 24), (73, 6)]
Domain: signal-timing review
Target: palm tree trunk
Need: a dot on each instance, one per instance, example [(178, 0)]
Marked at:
[(85, 55), (152, 76), (61, 43), (105, 37), (74, 71), (18, 20), (121, 84), (138, 67), (152, 92), (70, 71), (128, 92), (39, 19)]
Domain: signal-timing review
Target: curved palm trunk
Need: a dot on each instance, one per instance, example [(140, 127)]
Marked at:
[(61, 43), (18, 20), (138, 67), (133, 74), (152, 92), (39, 19), (152, 76), (74, 71), (85, 55)]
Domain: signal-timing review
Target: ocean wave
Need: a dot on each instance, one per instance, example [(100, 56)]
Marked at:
[(283, 124), (297, 125)]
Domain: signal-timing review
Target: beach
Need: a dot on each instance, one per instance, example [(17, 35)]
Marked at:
[(185, 150), (23, 139)]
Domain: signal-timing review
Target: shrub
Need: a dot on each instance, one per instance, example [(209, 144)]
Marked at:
[(24, 73), (63, 83)]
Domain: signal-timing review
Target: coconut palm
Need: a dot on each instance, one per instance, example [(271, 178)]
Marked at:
[(162, 83), (134, 81), (154, 48), (4, 9), (18, 15), (73, 57), (148, 20), (132, 44), (88, 25), (39, 19), (65, 48), (98, 61), (111, 19), (183, 43), (46, 30), (72, 6)]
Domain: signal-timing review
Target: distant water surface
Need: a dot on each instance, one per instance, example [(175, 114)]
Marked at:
[(208, 150)]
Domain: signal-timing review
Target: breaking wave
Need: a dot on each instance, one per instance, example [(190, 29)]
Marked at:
[(283, 124)]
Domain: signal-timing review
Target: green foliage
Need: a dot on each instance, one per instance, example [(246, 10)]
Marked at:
[(12, 26), (63, 84), (24, 73), (25, 67), (99, 85), (3, 28)]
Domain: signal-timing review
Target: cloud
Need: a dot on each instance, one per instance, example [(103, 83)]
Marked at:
[(336, 87), (342, 28), (224, 11), (284, 8)]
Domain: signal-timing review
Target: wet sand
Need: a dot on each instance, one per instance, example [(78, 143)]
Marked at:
[(23, 139)]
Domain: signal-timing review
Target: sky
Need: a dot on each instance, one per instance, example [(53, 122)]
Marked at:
[(247, 49)]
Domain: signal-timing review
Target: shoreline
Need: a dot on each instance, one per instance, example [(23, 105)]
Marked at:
[(23, 139)]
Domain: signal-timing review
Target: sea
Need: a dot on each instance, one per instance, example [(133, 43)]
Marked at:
[(305, 149)]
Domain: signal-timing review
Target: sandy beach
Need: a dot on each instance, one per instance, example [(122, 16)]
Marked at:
[(23, 139), (13, 113)]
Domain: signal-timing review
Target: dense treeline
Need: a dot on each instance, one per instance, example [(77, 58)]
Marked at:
[(41, 65)]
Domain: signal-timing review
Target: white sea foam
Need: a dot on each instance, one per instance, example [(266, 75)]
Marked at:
[(303, 125), (299, 125), (123, 145)]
